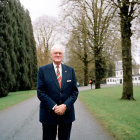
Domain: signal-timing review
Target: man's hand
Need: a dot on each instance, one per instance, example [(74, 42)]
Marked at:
[(60, 109)]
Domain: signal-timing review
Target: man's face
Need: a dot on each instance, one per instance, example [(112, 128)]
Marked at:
[(57, 55)]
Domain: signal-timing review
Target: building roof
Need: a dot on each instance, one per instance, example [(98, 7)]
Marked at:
[(136, 75), (111, 77), (118, 65)]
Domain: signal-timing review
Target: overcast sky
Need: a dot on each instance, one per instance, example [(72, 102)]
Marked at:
[(38, 8)]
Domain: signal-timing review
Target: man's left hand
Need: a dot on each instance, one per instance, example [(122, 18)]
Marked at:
[(60, 109)]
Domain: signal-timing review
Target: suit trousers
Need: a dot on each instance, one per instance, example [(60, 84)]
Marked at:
[(50, 131)]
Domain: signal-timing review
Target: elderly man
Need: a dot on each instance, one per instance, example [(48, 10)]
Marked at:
[(57, 91)]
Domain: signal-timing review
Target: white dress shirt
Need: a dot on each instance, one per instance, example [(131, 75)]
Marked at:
[(60, 69)]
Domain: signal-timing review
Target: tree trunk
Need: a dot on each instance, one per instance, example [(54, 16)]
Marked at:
[(97, 74), (97, 55), (126, 55), (85, 73)]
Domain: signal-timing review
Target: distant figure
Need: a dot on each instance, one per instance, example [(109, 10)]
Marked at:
[(57, 91), (91, 82)]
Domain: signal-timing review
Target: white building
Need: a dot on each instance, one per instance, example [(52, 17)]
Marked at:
[(118, 78)]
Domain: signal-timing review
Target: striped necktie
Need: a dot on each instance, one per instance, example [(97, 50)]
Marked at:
[(58, 76)]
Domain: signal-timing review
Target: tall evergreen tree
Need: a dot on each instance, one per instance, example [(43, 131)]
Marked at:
[(32, 65), (6, 44), (18, 63), (13, 52), (27, 53)]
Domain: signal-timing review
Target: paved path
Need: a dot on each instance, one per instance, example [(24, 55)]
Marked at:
[(20, 122)]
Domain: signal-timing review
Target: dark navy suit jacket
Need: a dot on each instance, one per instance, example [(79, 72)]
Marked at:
[(50, 94)]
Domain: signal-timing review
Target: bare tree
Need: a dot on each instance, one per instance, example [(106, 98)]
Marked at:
[(77, 41), (78, 44), (44, 32), (99, 14)]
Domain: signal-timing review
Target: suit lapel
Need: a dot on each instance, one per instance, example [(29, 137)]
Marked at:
[(53, 75), (64, 76)]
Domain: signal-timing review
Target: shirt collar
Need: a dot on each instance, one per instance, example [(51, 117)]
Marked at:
[(56, 65)]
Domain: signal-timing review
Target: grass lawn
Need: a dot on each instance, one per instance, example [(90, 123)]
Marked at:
[(120, 117), (15, 97)]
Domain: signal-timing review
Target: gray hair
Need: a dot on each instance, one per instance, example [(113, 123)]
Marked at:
[(56, 47)]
